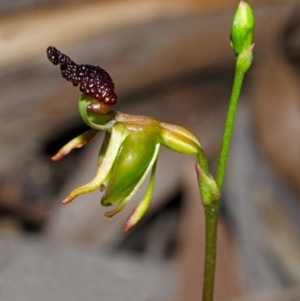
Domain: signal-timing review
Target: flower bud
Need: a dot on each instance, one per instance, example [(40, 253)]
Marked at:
[(242, 28)]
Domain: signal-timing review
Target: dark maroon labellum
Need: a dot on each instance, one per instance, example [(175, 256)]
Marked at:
[(93, 80)]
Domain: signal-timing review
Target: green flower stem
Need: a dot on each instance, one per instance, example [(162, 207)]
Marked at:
[(211, 222), (237, 85), (211, 205), (212, 209)]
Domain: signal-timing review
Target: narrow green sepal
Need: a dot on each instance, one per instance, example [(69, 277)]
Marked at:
[(77, 142), (143, 205), (118, 135)]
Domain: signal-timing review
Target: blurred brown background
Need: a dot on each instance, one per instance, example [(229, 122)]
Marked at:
[(170, 60)]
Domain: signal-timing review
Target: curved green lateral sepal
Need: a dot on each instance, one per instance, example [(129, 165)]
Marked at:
[(77, 142), (119, 133), (242, 28), (143, 205)]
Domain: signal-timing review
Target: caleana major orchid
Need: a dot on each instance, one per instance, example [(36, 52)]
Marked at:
[(131, 144)]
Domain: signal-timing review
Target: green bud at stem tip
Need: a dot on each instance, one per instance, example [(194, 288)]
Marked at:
[(242, 28)]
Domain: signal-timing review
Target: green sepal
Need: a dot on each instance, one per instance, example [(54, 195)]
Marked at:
[(77, 142), (114, 142), (143, 205)]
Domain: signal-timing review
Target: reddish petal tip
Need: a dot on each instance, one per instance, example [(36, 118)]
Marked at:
[(127, 227), (56, 158), (59, 156), (130, 223), (65, 201)]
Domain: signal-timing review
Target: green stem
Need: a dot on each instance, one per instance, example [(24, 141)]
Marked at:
[(238, 80), (212, 206), (211, 218), (241, 42)]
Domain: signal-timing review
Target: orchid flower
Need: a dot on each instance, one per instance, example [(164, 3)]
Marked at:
[(131, 144)]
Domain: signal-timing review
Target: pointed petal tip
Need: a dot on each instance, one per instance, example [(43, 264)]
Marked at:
[(59, 156), (127, 227), (132, 220), (56, 158), (130, 223), (65, 201), (109, 214), (118, 209)]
